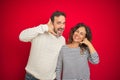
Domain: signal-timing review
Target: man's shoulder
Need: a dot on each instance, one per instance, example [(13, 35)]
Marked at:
[(62, 37)]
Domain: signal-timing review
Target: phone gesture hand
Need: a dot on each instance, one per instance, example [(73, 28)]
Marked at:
[(51, 27)]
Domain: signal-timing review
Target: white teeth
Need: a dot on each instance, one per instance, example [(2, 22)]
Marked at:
[(76, 37), (59, 31)]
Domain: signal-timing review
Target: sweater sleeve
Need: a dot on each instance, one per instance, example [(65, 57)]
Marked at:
[(93, 58), (28, 34), (59, 67)]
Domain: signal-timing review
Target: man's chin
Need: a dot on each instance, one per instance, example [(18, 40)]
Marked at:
[(58, 35)]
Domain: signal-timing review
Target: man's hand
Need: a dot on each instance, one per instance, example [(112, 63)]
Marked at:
[(51, 27)]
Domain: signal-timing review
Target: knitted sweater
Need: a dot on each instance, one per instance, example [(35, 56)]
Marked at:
[(74, 64), (44, 51)]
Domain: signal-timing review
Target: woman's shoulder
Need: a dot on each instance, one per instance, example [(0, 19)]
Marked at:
[(64, 46)]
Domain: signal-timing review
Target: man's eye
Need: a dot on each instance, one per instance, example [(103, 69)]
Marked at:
[(58, 23)]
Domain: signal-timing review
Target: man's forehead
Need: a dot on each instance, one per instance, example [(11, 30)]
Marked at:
[(59, 18)]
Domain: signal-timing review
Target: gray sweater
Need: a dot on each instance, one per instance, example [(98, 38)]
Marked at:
[(74, 64)]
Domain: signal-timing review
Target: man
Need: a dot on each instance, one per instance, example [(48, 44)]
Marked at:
[(46, 41)]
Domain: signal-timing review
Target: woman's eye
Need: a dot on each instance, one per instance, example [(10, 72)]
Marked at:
[(77, 31), (82, 34)]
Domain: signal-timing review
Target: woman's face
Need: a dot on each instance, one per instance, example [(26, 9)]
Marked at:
[(79, 35)]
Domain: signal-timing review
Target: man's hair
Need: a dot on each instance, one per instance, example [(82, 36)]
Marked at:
[(57, 14)]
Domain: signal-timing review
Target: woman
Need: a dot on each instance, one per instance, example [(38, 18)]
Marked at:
[(73, 57)]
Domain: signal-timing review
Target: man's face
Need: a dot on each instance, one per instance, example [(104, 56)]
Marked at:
[(59, 25)]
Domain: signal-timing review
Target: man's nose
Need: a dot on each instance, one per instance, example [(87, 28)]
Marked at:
[(62, 25)]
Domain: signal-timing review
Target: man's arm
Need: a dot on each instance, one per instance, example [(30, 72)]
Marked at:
[(30, 33)]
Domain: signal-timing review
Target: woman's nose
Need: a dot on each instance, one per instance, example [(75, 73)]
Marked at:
[(78, 34)]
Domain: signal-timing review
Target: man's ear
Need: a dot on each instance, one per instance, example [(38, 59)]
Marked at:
[(52, 22)]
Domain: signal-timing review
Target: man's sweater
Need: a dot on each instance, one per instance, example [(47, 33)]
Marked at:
[(44, 51)]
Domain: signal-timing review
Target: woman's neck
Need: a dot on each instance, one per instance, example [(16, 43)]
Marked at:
[(73, 45)]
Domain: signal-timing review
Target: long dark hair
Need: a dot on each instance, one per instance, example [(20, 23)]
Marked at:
[(88, 34)]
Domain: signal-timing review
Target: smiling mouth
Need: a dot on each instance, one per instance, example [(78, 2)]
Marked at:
[(76, 37), (60, 31)]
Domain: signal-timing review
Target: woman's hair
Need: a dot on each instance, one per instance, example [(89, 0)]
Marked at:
[(88, 34)]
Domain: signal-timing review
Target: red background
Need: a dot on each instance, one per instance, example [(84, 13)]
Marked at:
[(103, 16)]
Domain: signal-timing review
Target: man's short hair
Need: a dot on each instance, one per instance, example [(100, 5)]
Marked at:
[(57, 14)]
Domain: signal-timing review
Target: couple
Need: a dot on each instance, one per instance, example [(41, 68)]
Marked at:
[(49, 56)]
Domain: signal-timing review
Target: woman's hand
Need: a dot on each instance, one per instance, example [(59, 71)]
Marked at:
[(86, 41), (89, 44)]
